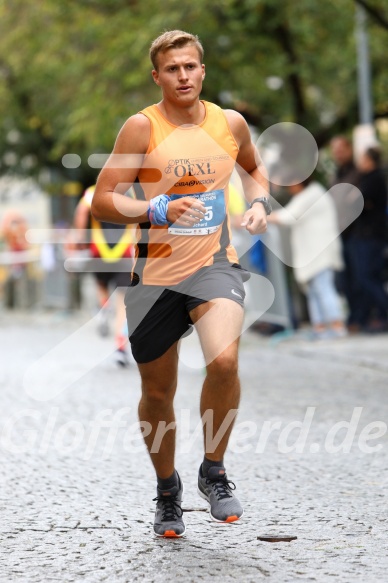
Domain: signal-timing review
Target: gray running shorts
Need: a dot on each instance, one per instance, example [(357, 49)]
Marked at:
[(158, 316)]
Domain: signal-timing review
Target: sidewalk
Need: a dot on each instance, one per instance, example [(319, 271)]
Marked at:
[(360, 350), (77, 486)]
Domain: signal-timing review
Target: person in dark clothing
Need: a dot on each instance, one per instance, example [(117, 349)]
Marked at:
[(346, 173), (367, 241)]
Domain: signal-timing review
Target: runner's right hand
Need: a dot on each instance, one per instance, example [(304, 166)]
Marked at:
[(185, 211)]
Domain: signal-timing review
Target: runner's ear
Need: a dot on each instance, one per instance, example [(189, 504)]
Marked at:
[(155, 76)]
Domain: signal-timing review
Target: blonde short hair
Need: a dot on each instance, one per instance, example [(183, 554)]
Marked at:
[(174, 39)]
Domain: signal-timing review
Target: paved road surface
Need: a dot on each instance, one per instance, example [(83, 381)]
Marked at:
[(77, 486)]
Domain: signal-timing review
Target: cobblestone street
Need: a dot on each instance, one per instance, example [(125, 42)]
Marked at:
[(77, 484)]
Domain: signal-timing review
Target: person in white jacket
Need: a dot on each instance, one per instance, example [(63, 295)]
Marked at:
[(316, 253)]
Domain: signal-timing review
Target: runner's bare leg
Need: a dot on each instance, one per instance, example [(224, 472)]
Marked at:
[(219, 325), (120, 317), (159, 382)]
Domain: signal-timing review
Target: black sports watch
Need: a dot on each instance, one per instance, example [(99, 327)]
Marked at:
[(265, 202)]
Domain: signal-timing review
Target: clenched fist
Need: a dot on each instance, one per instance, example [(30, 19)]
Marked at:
[(185, 211)]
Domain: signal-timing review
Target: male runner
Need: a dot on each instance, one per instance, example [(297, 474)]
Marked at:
[(179, 154), (110, 245)]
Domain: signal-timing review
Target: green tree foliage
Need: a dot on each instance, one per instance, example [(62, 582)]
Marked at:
[(72, 71)]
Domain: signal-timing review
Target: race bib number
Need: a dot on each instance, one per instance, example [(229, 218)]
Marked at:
[(214, 202)]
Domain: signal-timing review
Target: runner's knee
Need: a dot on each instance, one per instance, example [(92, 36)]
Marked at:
[(223, 366), (158, 393)]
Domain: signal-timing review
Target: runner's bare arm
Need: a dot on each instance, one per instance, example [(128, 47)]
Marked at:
[(252, 173), (120, 172)]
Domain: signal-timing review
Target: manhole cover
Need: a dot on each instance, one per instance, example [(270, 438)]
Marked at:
[(276, 538)]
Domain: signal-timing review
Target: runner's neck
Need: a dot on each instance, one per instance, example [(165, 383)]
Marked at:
[(191, 115)]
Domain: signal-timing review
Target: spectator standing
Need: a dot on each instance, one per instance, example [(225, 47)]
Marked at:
[(13, 230), (346, 173), (316, 254), (367, 240)]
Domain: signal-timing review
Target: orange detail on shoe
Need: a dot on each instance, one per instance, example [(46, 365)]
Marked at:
[(170, 533), (121, 341), (232, 518)]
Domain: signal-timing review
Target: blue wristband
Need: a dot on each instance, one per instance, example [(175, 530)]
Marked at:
[(157, 211)]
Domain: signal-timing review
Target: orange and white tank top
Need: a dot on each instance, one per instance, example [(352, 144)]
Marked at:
[(188, 160)]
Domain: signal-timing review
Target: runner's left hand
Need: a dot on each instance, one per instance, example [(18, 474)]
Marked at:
[(255, 220)]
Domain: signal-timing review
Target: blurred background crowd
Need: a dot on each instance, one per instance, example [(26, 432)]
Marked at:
[(73, 72)]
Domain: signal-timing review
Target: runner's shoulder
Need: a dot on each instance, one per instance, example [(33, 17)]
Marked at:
[(135, 133), (138, 120), (237, 123), (234, 116)]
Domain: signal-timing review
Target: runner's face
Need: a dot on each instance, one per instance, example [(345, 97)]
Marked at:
[(180, 74)]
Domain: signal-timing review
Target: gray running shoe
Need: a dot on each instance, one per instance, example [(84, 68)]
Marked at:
[(168, 515), (103, 322), (217, 490)]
